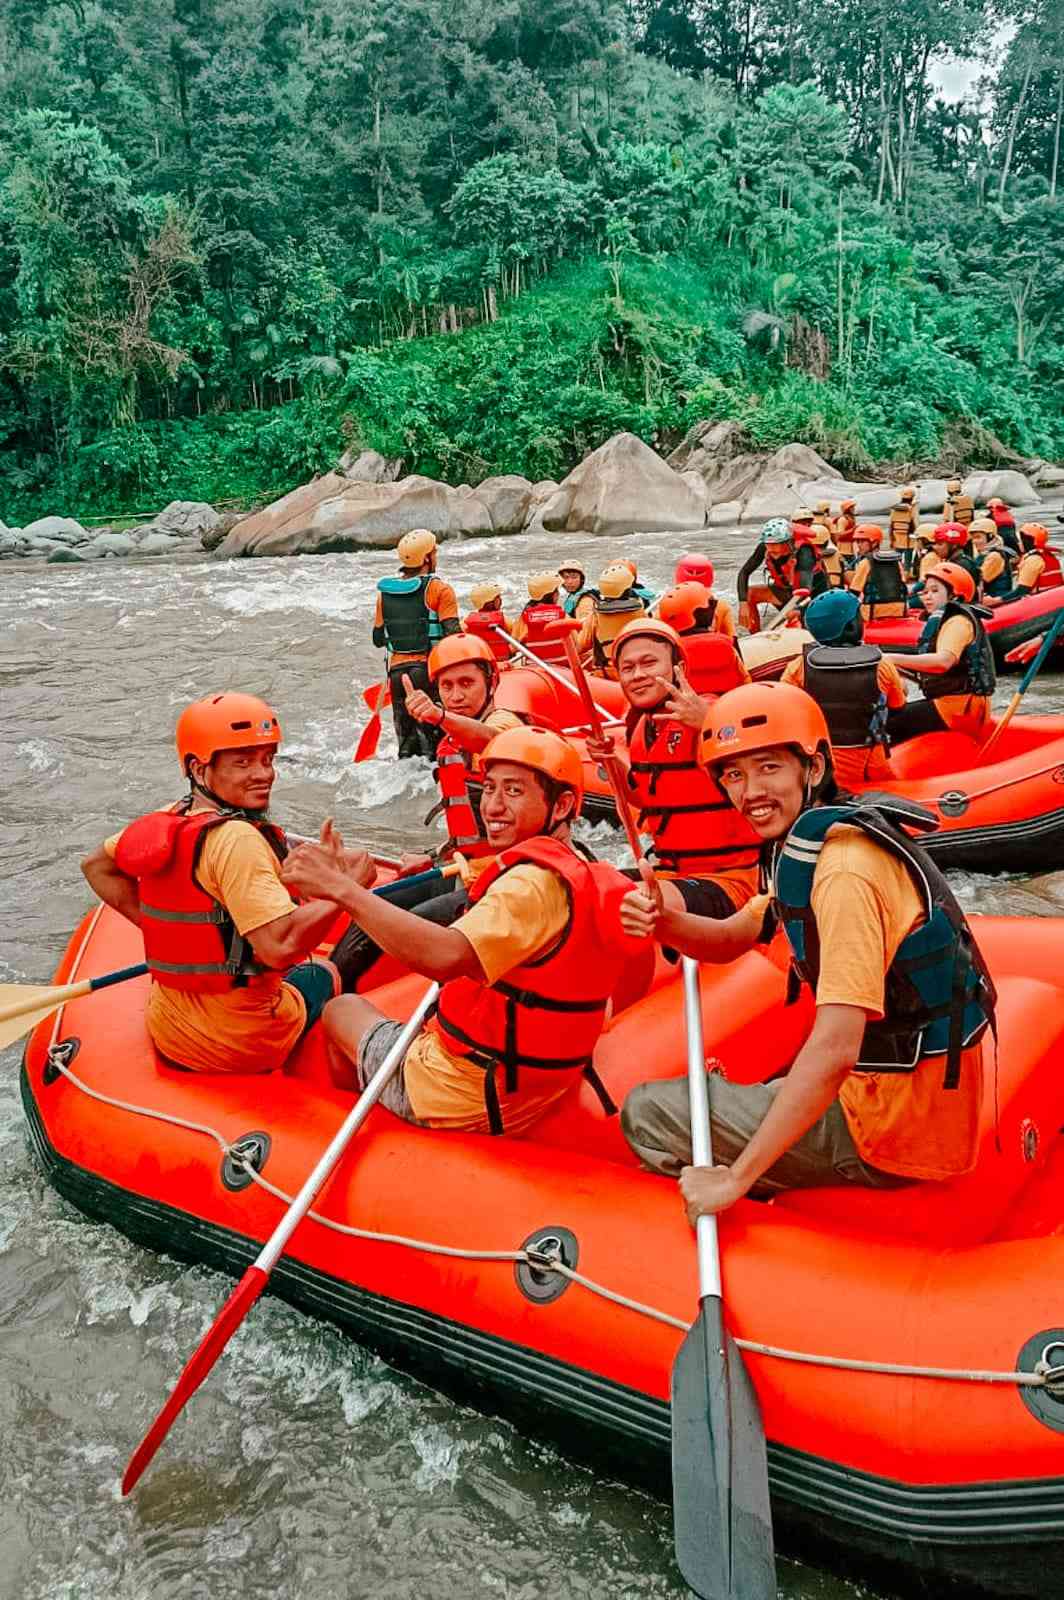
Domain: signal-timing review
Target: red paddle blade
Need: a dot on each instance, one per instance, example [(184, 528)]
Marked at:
[(199, 1365), (369, 739), (1025, 652), (377, 696)]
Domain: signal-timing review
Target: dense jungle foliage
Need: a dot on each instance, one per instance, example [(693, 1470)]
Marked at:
[(237, 236)]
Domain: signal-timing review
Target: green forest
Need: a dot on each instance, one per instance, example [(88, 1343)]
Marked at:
[(240, 236)]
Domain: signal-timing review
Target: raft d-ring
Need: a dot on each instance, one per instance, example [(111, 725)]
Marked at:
[(1043, 1353), (250, 1150), (954, 803), (59, 1056), (536, 1281)]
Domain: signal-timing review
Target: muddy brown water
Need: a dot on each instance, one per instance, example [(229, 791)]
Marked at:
[(306, 1466)]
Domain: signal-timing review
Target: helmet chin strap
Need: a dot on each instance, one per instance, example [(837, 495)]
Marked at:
[(224, 805)]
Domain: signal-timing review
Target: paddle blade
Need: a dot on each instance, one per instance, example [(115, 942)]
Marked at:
[(369, 739), (377, 696), (198, 1366), (13, 995), (723, 1521)]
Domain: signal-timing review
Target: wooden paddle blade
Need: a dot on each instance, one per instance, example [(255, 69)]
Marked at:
[(369, 739), (198, 1366), (723, 1520), (17, 1027)]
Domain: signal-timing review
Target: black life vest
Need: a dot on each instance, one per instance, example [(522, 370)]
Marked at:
[(974, 673), (1002, 584), (940, 997), (886, 581), (410, 627), (844, 682)]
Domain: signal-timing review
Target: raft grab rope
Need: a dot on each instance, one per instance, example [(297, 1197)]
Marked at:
[(1044, 1376)]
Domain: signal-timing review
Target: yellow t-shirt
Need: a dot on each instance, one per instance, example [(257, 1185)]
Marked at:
[(722, 618), (858, 766), (1030, 569), (905, 1123), (251, 1029), (965, 713), (521, 915), (993, 566)]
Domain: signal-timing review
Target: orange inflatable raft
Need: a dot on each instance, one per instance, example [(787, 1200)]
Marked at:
[(1003, 816), (958, 1475)]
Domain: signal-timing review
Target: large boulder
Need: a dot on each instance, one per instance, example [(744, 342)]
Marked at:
[(707, 448), (110, 544), (625, 487), (67, 555), (60, 530), (769, 486), (212, 537), (542, 494), (470, 516), (369, 466), (1012, 487), (334, 514), (184, 519), (155, 543), (507, 498)]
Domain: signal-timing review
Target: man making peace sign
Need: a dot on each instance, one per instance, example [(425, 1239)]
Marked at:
[(706, 852)]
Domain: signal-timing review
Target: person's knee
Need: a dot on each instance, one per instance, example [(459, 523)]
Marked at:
[(344, 1019)]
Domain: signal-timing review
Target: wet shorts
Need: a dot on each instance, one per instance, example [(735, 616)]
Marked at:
[(704, 899), (317, 983)]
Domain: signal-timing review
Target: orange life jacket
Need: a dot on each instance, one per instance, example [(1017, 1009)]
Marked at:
[(902, 525), (463, 824), (712, 663), (538, 615), (781, 570), (697, 831), (1050, 576), (483, 625), (845, 524), (190, 940), (546, 1015)]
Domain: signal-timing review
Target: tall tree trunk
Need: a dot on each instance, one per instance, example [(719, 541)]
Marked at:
[(1014, 122), (1056, 132)]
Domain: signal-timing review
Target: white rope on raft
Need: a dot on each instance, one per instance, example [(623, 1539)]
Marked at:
[(1046, 1378)]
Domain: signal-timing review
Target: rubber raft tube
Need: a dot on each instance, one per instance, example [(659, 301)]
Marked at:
[(1007, 627), (1004, 816), (951, 1476)]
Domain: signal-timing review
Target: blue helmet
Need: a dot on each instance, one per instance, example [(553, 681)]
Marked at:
[(835, 618)]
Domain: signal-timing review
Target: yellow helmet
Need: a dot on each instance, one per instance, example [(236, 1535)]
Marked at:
[(982, 525), (823, 508), (482, 594), (616, 580), (541, 584), (953, 486), (819, 533), (416, 546), (909, 492), (802, 514), (926, 532)]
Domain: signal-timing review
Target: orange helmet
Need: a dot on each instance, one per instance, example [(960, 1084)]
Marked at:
[(458, 648), (869, 533), (228, 721), (758, 716), (542, 751), (653, 628), (694, 568), (1035, 534), (626, 561), (952, 533), (677, 606), (958, 580), (848, 505)]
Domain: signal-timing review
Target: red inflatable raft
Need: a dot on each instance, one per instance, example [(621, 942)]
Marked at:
[(1006, 816), (960, 1474), (1007, 627)]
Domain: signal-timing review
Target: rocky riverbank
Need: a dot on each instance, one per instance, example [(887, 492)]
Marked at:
[(712, 479)]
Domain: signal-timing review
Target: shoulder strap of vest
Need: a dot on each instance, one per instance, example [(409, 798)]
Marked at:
[(404, 585)]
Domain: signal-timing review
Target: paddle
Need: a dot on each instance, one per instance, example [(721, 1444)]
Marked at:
[(552, 672), (23, 1005), (376, 698), (255, 1279), (1050, 639), (723, 1520)]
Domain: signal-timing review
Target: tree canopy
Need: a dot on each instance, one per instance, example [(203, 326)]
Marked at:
[(483, 234)]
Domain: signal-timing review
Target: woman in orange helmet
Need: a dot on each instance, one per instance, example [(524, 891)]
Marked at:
[(232, 988), (954, 661), (527, 973), (888, 1086), (1034, 542)]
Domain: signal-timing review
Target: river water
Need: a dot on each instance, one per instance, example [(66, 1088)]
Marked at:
[(306, 1467)]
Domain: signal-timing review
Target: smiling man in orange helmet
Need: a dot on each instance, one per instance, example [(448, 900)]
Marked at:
[(464, 673), (706, 854), (232, 990), (527, 972), (888, 1086)]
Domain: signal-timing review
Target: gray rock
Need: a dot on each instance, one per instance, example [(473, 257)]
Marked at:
[(63, 530), (625, 487), (335, 514), (110, 544), (470, 516), (507, 498), (541, 495), (553, 514), (708, 447), (1012, 487), (157, 544), (1048, 476), (211, 538), (770, 486), (184, 519), (369, 466), (66, 554)]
